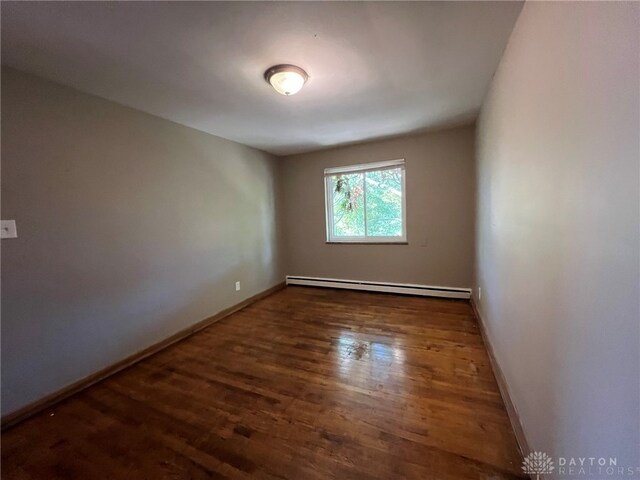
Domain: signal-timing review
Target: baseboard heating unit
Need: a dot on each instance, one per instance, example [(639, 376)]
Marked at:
[(402, 288)]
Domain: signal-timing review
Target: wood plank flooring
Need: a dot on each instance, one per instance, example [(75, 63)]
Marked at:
[(305, 384)]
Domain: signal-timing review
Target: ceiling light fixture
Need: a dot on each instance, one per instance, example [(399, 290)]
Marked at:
[(286, 79)]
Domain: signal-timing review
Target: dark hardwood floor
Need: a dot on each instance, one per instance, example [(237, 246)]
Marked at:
[(305, 384)]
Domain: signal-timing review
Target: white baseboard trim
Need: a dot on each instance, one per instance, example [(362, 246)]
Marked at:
[(402, 288)]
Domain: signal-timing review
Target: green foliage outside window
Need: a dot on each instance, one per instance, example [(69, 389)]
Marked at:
[(382, 207)]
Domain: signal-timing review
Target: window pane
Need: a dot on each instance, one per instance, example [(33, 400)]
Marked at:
[(384, 203), (348, 205)]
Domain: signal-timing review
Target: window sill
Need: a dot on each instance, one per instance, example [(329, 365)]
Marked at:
[(367, 243)]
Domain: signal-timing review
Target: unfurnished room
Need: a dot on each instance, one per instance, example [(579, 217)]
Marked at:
[(320, 240)]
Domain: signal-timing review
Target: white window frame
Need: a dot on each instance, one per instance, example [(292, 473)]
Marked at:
[(361, 168)]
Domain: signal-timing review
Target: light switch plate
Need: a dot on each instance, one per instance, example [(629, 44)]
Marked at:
[(237, 286), (8, 229)]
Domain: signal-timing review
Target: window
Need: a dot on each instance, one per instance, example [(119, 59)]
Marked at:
[(366, 203)]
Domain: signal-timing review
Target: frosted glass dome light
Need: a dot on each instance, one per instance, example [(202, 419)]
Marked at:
[(286, 79)]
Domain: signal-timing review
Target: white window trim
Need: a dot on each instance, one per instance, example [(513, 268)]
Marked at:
[(328, 196)]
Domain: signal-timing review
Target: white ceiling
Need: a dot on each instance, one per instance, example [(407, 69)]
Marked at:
[(376, 69)]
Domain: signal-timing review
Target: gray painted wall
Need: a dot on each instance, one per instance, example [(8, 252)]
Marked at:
[(130, 229), (440, 186), (558, 226)]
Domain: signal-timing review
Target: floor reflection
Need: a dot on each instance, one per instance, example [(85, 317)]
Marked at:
[(369, 361)]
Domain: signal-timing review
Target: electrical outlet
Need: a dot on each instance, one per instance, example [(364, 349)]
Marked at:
[(479, 293), (237, 286), (8, 229)]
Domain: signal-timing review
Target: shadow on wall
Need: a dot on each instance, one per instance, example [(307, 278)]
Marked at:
[(131, 228)]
